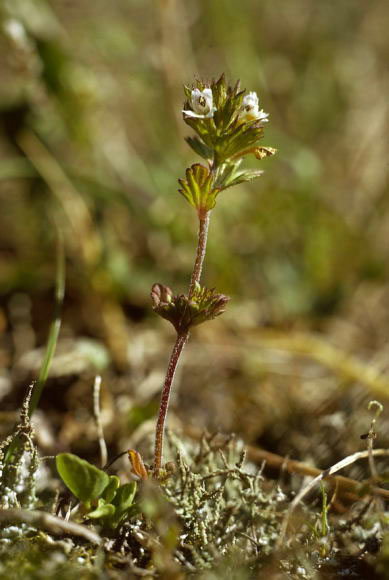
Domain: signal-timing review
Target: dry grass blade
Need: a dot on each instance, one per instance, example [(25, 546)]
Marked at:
[(99, 424), (337, 467)]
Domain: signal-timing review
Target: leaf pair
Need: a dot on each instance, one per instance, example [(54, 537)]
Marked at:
[(112, 514), (182, 312), (201, 186), (198, 188)]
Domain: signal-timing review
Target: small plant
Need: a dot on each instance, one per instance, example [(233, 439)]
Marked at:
[(228, 125), (102, 497)]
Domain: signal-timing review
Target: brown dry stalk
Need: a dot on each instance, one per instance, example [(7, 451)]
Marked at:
[(345, 485), (324, 475)]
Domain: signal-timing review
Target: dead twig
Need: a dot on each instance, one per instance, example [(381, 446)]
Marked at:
[(99, 423), (345, 484), (48, 522), (326, 473)]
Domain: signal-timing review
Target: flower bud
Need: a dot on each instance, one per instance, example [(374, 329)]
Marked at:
[(161, 295)]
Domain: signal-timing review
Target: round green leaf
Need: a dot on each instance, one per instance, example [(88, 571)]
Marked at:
[(125, 496), (110, 490), (83, 479), (103, 510)]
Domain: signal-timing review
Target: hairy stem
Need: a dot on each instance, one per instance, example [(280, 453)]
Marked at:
[(200, 254), (164, 404), (180, 343)]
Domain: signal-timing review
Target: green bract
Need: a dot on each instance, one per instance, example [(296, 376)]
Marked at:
[(228, 175), (198, 188)]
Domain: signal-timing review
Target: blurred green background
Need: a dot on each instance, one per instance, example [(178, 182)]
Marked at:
[(91, 142)]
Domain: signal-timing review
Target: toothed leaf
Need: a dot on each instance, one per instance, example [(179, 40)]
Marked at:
[(198, 189), (199, 147)]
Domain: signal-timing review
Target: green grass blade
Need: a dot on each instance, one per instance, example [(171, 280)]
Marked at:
[(54, 327), (51, 340)]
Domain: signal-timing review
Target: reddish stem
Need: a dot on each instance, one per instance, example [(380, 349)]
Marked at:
[(180, 343), (201, 249), (164, 404)]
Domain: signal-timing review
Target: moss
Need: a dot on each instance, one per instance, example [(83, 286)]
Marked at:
[(223, 506), (212, 515), (39, 558)]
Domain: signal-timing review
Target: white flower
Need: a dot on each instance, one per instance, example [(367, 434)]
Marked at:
[(249, 110), (251, 101), (16, 31), (202, 104)]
